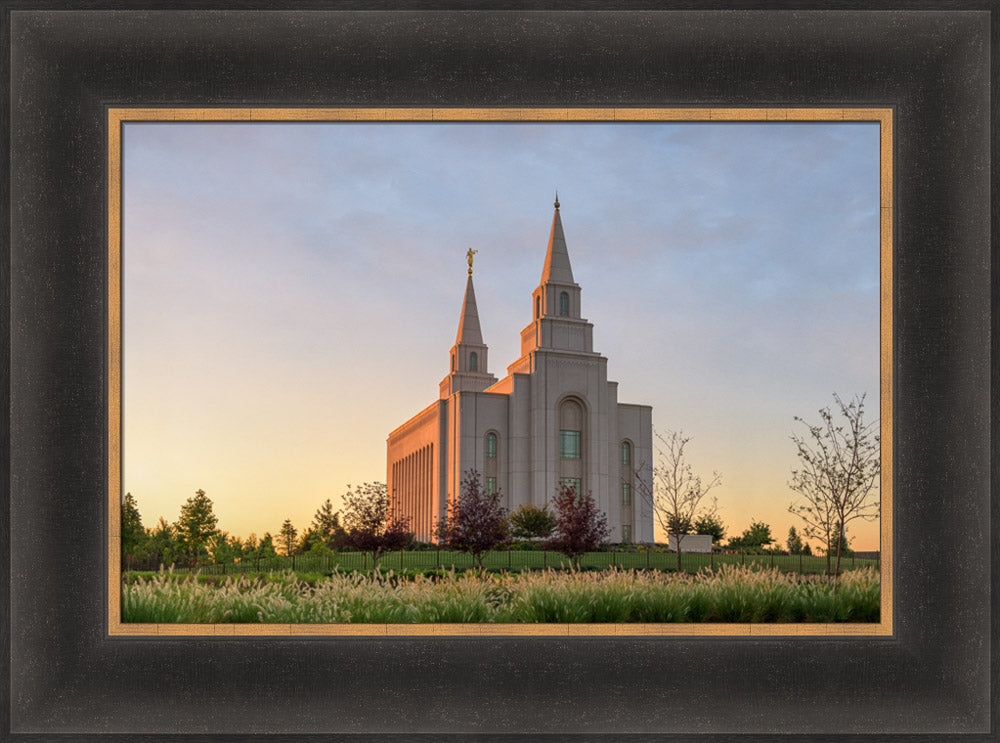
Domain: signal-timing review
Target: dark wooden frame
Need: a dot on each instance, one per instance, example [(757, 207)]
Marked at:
[(930, 679)]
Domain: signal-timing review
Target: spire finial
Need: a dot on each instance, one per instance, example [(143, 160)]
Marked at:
[(556, 205), (468, 257)]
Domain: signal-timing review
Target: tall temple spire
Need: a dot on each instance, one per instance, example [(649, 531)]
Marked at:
[(557, 323), (557, 267)]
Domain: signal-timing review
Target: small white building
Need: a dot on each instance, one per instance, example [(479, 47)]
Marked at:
[(691, 543), (553, 419)]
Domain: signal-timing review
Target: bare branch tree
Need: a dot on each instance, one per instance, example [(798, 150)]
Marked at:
[(839, 472), (677, 492)]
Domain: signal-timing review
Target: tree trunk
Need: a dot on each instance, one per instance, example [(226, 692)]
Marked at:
[(678, 537), (836, 575)]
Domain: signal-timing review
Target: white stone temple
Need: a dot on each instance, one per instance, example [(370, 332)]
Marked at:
[(554, 419)]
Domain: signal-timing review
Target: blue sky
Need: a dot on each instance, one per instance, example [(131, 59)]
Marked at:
[(291, 291)]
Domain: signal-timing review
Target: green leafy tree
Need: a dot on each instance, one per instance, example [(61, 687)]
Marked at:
[(677, 492), (838, 474), (265, 549), (532, 522), (580, 526), (196, 526), (795, 544), (134, 536), (237, 548), (756, 537), (370, 524), (286, 538), (251, 545), (477, 522), (711, 524), (220, 547), (162, 544)]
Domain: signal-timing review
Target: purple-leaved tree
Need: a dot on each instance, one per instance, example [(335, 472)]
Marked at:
[(580, 526), (476, 522)]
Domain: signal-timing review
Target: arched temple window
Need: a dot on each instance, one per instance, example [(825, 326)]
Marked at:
[(564, 304), (570, 429), (572, 446), (473, 361)]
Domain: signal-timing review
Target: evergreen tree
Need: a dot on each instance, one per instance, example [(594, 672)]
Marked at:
[(133, 534), (196, 526), (326, 526), (795, 545), (286, 538)]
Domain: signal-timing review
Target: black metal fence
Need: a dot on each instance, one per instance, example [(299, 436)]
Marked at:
[(437, 559)]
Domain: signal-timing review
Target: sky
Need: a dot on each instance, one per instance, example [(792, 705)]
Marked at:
[(291, 292)]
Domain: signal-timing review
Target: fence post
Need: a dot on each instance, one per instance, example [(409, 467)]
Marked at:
[(509, 551), (401, 559), (545, 558), (437, 559), (800, 563)]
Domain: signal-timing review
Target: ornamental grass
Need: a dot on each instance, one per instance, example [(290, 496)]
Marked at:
[(731, 594)]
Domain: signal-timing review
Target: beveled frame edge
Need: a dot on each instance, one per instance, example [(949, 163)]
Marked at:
[(118, 116)]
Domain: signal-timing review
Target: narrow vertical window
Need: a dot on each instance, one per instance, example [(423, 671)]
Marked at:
[(538, 307), (473, 361), (571, 482), (564, 304), (491, 485), (626, 453), (626, 494), (626, 533), (491, 445), (569, 444)]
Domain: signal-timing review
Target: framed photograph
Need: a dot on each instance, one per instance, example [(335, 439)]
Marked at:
[(111, 109), (164, 230)]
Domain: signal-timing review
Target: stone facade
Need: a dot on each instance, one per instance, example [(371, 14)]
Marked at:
[(554, 417)]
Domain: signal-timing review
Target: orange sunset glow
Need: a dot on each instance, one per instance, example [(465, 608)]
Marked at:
[(291, 292)]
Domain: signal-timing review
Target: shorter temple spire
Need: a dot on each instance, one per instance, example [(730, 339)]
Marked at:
[(468, 324), (468, 368)]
